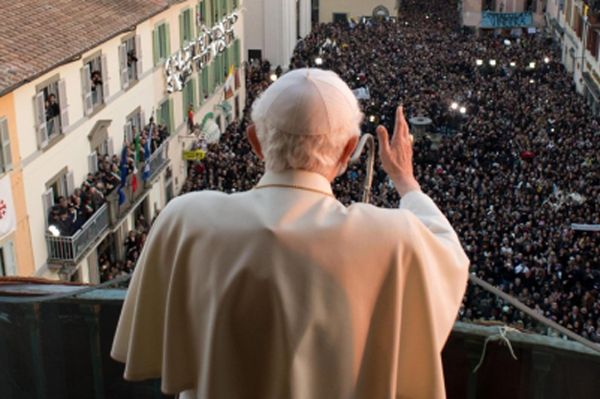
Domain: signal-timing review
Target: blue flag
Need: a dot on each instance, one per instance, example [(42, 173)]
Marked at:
[(123, 168), (147, 153)]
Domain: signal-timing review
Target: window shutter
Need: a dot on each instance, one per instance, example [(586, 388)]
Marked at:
[(138, 53), (86, 89), (155, 46), (40, 118), (171, 119), (128, 129), (93, 162), (123, 66), (110, 147), (181, 30), (63, 104), (70, 182), (168, 39), (48, 201), (142, 119), (105, 85), (6, 154), (194, 91)]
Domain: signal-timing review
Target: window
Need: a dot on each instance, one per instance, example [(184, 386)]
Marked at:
[(185, 27), (136, 122), (94, 83), (223, 7), (7, 259), (61, 185), (130, 60), (235, 4), (189, 97), (51, 111), (204, 85), (201, 13), (214, 7), (165, 114), (161, 43), (5, 154)]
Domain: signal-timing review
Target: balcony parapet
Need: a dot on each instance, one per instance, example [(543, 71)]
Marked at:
[(69, 250)]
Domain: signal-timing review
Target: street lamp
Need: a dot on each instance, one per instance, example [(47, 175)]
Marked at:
[(493, 63), (318, 61), (479, 62), (273, 77)]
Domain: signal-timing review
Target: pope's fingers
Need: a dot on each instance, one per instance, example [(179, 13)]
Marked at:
[(383, 138)]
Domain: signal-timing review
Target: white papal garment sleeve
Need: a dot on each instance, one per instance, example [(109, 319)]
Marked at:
[(435, 282)]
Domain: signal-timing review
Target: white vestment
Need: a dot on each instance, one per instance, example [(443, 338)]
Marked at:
[(283, 292)]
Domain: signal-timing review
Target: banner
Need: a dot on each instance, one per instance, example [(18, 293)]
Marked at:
[(585, 227), (8, 219), (499, 20), (194, 155)]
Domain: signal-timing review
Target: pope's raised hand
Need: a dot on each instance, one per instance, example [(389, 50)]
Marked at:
[(397, 155)]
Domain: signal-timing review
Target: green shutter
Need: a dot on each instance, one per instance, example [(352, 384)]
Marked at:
[(205, 84), (194, 91), (168, 40), (155, 46), (181, 30), (171, 119)]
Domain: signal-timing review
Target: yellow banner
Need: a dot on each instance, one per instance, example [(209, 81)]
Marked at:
[(194, 155)]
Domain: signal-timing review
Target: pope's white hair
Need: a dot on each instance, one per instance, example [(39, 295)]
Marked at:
[(314, 153)]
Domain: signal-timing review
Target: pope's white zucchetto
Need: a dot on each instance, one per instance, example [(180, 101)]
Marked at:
[(309, 102)]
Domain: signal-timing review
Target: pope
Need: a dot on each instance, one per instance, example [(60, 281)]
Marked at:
[(282, 291)]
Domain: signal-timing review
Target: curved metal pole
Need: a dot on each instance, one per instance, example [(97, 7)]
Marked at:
[(366, 140)]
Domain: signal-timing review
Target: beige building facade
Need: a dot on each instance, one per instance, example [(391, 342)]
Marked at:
[(103, 97), (339, 10)]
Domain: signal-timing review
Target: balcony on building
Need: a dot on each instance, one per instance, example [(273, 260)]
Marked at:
[(60, 348), (68, 251)]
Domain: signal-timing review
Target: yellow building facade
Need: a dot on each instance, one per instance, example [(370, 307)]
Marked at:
[(16, 256)]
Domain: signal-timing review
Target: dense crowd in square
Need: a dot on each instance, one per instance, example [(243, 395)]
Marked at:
[(512, 172)]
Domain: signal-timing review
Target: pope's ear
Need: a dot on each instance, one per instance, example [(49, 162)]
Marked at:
[(253, 140)]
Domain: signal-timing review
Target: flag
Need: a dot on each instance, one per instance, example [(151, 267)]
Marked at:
[(229, 83), (123, 169), (135, 163), (147, 153), (7, 209)]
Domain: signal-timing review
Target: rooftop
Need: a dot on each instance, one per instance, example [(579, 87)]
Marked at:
[(36, 36)]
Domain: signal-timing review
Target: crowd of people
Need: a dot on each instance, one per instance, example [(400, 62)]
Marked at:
[(110, 267), (515, 161), (70, 213)]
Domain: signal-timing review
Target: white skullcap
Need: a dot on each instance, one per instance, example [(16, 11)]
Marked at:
[(309, 102)]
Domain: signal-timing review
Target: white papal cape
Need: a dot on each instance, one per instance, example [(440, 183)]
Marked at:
[(283, 292)]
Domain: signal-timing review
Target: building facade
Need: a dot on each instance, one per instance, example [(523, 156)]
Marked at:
[(89, 102), (483, 13), (275, 29), (575, 24), (342, 10)]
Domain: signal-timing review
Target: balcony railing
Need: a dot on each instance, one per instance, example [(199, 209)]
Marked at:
[(57, 346), (158, 160), (70, 249)]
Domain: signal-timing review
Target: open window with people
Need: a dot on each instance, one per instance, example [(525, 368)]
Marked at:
[(130, 61), (94, 83), (51, 111)]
